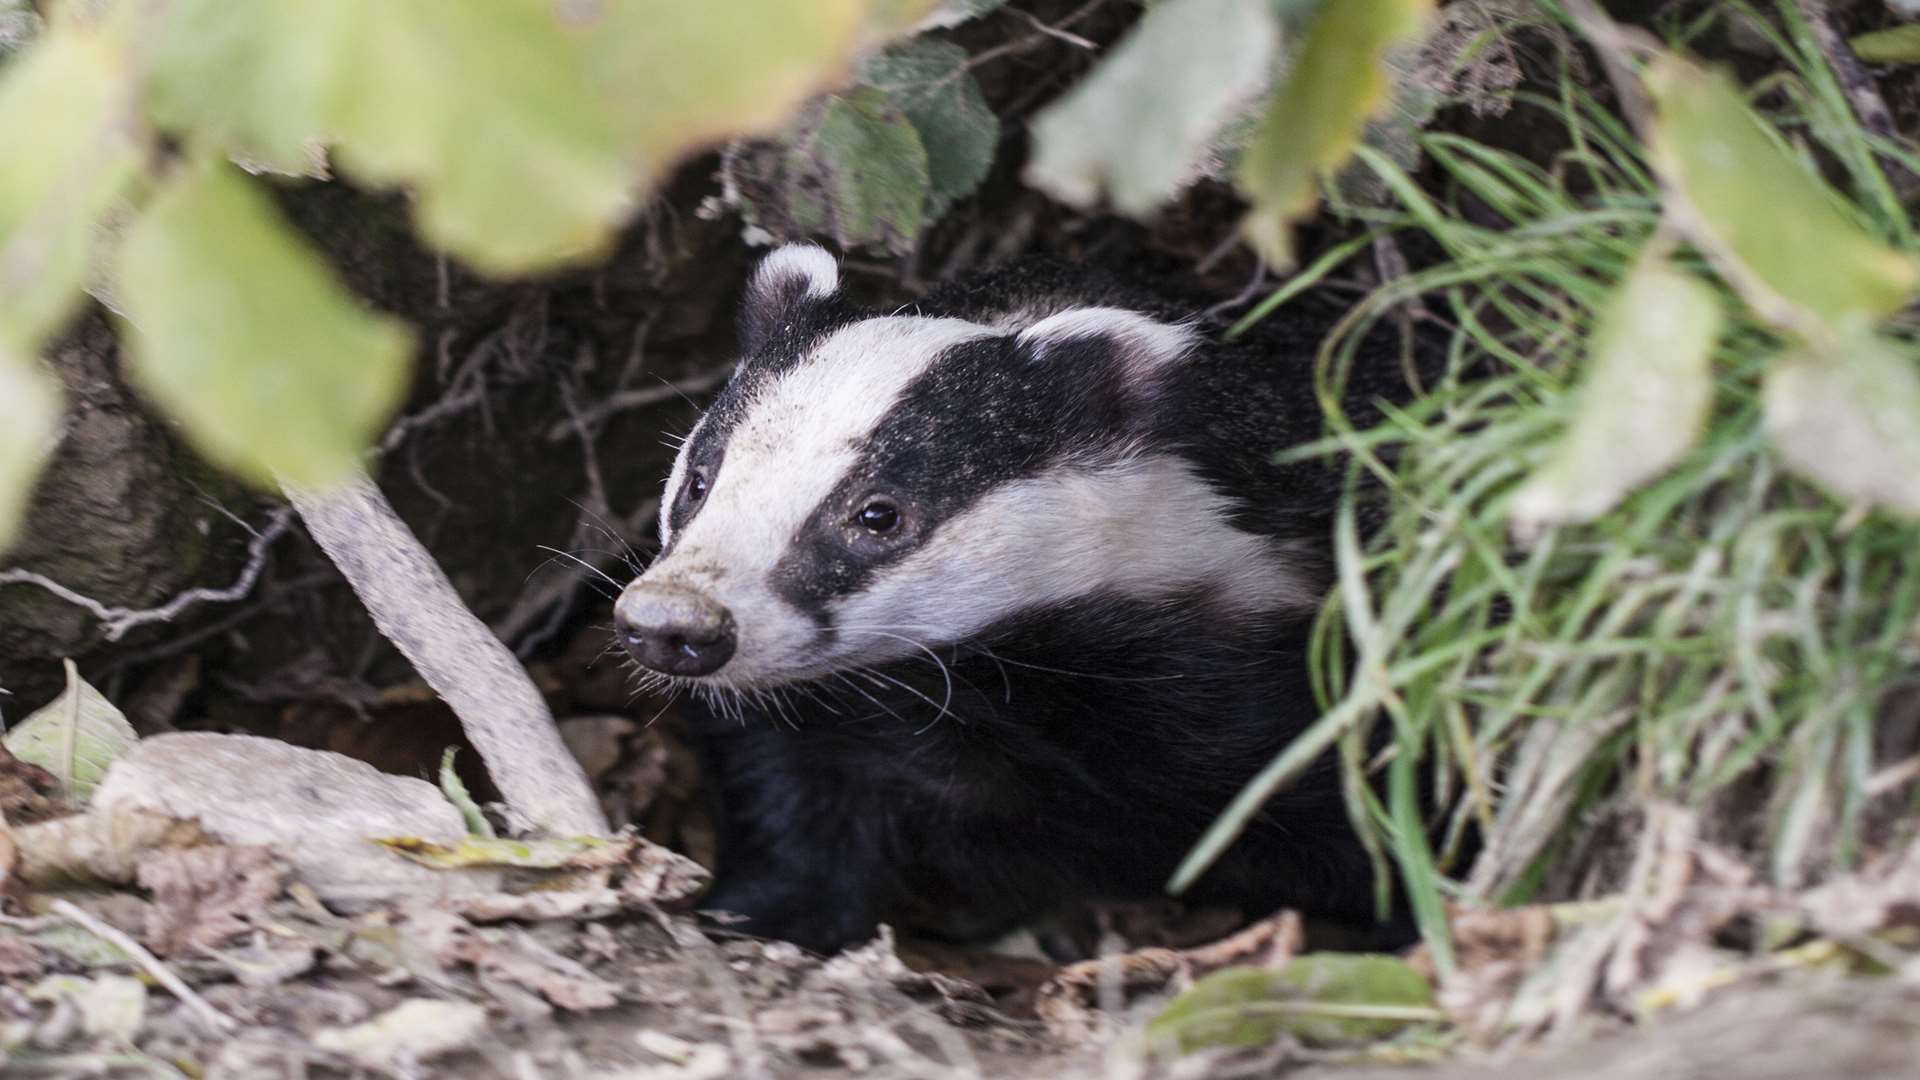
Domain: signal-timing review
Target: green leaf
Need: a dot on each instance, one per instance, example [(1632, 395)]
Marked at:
[(1320, 998), (456, 792), (683, 75), (74, 737), (1850, 421), (486, 109), (930, 83), (1647, 391), (1894, 45), (1140, 124), (65, 119), (1778, 232), (546, 853), (853, 169), (238, 330), (263, 79), (1336, 82), (30, 408)]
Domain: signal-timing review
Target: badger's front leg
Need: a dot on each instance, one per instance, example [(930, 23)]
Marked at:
[(798, 859)]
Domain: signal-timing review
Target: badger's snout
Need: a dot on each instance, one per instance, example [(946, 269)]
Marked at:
[(674, 630)]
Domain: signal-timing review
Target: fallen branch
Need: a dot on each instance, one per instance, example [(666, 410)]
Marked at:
[(417, 609)]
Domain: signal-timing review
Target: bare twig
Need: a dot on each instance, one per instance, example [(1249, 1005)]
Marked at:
[(217, 1022), (1043, 34), (450, 405), (117, 621), (417, 609), (636, 399)]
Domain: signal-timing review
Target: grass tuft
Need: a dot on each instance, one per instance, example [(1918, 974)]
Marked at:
[(1723, 640)]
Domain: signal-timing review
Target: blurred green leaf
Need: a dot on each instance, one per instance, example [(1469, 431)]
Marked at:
[(1761, 210), (65, 119), (1336, 83), (852, 168), (1141, 123), (1894, 45), (29, 414), (1644, 400), (484, 107), (1850, 421), (263, 79), (240, 333), (75, 737), (1319, 998), (929, 81), (685, 75), (526, 129)]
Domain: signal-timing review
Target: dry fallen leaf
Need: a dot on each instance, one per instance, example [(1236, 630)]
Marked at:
[(546, 853), (23, 789), (20, 959), (417, 1029), (203, 896), (877, 966), (101, 846), (111, 1006), (517, 958), (1074, 1003)]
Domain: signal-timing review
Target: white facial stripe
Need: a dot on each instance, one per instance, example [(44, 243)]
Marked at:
[(800, 434), (813, 265), (1144, 528)]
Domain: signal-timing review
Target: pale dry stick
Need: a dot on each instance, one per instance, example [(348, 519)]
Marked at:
[(417, 609), (218, 1022)]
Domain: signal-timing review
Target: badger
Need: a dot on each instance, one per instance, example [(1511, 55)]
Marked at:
[(994, 602)]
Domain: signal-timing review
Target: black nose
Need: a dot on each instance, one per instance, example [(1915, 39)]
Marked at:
[(674, 631)]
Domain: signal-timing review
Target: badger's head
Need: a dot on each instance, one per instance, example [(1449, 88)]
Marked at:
[(870, 487)]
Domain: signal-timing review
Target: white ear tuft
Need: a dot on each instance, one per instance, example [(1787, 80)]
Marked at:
[(1146, 345), (786, 285), (803, 262)]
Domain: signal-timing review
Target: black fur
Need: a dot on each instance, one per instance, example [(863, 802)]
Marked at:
[(1072, 752)]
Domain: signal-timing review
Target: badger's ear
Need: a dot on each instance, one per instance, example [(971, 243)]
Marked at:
[(1141, 349), (783, 287)]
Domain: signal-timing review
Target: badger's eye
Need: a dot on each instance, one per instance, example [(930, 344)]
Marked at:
[(697, 486), (878, 517)]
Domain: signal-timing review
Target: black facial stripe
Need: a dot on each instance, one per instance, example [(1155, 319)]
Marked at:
[(983, 414)]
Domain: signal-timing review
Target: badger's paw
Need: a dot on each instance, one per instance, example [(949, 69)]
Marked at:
[(819, 919)]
